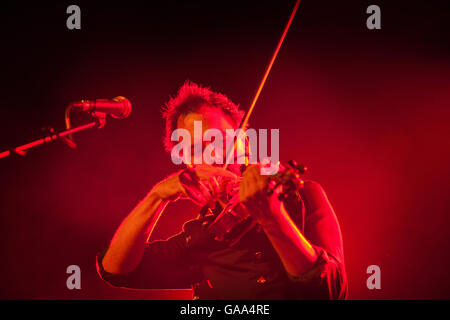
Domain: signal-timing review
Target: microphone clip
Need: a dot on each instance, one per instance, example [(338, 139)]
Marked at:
[(100, 117)]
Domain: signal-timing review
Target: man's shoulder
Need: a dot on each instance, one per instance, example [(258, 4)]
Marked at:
[(316, 202), (313, 193), (314, 186)]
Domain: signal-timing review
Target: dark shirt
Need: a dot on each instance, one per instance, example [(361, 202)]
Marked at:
[(251, 269)]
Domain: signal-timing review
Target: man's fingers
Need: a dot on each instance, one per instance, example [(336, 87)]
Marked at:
[(214, 186), (195, 189), (207, 171), (207, 194), (253, 175), (243, 190)]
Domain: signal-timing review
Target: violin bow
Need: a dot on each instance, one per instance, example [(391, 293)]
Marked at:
[(245, 119)]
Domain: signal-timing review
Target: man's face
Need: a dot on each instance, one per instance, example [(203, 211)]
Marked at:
[(211, 118)]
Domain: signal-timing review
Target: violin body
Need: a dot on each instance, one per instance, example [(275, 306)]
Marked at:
[(232, 220)]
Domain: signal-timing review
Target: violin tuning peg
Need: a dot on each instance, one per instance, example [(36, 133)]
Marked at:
[(297, 167), (292, 163), (301, 168)]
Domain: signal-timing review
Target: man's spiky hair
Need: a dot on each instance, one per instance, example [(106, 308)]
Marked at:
[(191, 97)]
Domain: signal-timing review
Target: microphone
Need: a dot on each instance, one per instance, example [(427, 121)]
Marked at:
[(119, 107)]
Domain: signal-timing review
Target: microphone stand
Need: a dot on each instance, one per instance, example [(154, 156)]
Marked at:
[(22, 150)]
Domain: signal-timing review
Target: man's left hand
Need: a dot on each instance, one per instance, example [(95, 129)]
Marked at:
[(253, 194)]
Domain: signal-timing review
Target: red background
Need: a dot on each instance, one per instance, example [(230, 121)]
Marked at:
[(366, 110)]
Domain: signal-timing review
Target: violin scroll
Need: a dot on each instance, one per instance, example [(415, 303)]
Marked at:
[(288, 177)]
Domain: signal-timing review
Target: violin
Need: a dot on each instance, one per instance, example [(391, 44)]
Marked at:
[(230, 218)]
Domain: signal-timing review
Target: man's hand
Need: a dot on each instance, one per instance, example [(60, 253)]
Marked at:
[(253, 194), (202, 188)]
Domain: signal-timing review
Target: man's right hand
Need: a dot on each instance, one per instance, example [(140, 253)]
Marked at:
[(200, 191)]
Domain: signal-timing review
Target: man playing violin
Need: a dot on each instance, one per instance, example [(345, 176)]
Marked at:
[(293, 249)]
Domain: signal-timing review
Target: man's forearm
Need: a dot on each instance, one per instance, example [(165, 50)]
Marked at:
[(127, 246), (296, 253)]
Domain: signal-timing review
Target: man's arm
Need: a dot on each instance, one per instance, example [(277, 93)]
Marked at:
[(128, 244), (296, 253), (325, 278), (306, 259)]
